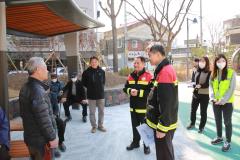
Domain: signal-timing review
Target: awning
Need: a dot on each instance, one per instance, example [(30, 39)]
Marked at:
[(44, 18)]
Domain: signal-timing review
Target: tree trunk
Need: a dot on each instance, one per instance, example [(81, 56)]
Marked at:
[(168, 47), (115, 54)]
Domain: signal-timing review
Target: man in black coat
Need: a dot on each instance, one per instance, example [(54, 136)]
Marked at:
[(36, 111), (94, 80), (75, 93)]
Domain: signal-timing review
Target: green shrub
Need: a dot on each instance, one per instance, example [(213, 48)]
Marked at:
[(125, 71)]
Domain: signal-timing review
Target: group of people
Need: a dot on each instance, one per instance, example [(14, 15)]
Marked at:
[(40, 112), (216, 86), (153, 100)]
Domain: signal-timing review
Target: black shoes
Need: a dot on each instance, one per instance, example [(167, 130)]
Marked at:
[(132, 146), (200, 131), (69, 118), (62, 147), (57, 153), (226, 147), (190, 126), (217, 140), (136, 145), (146, 150), (84, 119)]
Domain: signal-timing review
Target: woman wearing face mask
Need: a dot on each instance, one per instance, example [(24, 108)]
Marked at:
[(200, 94), (222, 86)]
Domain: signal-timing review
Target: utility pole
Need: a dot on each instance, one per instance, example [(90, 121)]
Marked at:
[(187, 49), (125, 36), (201, 32)]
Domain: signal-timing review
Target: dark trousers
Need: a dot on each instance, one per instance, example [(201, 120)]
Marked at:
[(137, 119), (69, 103), (225, 110), (38, 152), (55, 108), (164, 146), (203, 101), (4, 155), (61, 125)]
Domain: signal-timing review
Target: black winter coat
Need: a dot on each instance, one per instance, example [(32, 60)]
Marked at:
[(94, 81), (36, 112), (80, 91)]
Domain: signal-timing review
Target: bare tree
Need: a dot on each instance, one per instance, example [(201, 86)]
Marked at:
[(110, 12), (163, 22), (216, 35)]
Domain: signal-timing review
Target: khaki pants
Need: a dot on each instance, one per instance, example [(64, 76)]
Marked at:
[(92, 108)]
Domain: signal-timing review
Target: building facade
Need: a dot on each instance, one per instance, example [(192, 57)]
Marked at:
[(138, 37), (232, 31)]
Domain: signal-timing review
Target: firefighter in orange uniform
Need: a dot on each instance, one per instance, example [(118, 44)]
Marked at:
[(162, 107), (137, 87)]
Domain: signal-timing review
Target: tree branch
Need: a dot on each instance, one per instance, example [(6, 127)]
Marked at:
[(107, 12), (136, 11), (184, 16), (119, 8), (109, 4)]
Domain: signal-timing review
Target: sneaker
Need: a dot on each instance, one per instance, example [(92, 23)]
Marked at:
[(190, 126), (146, 150), (217, 140), (132, 146), (102, 129), (200, 130), (94, 129), (57, 153), (226, 147), (84, 119), (62, 147)]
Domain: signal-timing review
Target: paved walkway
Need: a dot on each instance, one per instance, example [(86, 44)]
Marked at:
[(83, 145)]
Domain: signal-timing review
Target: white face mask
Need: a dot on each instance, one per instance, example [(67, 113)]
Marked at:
[(202, 65), (221, 65), (54, 80), (74, 79)]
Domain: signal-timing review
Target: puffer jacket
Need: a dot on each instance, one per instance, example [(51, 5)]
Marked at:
[(55, 88), (162, 113), (36, 112), (94, 81)]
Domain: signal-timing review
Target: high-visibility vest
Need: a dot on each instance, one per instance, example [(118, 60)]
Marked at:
[(220, 88)]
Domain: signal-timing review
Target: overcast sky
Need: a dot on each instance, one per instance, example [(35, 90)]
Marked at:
[(214, 11)]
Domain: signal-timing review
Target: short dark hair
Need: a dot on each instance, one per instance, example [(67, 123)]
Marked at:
[(142, 59), (158, 48), (196, 59), (94, 57), (53, 75)]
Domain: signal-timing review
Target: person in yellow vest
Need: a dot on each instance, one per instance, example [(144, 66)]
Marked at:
[(222, 86)]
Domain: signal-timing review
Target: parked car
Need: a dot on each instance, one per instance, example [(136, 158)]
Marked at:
[(16, 72), (61, 71)]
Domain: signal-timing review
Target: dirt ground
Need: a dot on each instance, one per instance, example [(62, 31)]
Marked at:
[(15, 82)]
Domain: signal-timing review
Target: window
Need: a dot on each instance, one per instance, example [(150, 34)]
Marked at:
[(119, 43), (134, 43)]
